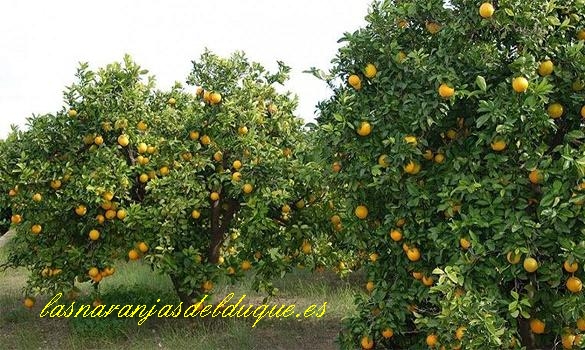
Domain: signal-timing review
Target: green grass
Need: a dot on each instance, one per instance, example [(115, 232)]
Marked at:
[(135, 283)]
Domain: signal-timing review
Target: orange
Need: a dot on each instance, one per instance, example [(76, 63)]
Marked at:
[(81, 210), (142, 147), (72, 113), (530, 264), (306, 247), (413, 254), (545, 68), (465, 243), (143, 178), (172, 101), (537, 326), (513, 258), (370, 71), (247, 188), (428, 281), (439, 158), (574, 284), (143, 247), (195, 214), (110, 214), (433, 27), (400, 222), (336, 167), (246, 265), (142, 126), (498, 145), (432, 340), (535, 176), (374, 257), (570, 267), (520, 84), (361, 211), (445, 91), (92, 272), (108, 196), (486, 10), (28, 302), (205, 140), (367, 342), (370, 286), (364, 129), (354, 81), (218, 156), (387, 333), (237, 164), (237, 176), (396, 235), (567, 340), (460, 332), (94, 235), (100, 219), (412, 168), (286, 209), (37, 197), (383, 161), (194, 135), (121, 214), (581, 35), (133, 255), (581, 324), (36, 229), (123, 140), (215, 98), (214, 196), (417, 275), (335, 219), (164, 171), (428, 155), (555, 110), (207, 286), (242, 130)]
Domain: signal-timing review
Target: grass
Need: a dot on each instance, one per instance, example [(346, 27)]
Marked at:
[(135, 283)]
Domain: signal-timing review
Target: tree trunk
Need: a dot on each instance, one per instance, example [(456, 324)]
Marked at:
[(526, 336), (187, 299)]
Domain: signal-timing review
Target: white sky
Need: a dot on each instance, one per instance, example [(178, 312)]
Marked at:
[(41, 42)]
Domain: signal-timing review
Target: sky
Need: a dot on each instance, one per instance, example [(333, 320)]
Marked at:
[(42, 42)]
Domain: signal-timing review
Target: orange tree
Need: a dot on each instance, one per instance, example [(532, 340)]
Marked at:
[(454, 136), (201, 183)]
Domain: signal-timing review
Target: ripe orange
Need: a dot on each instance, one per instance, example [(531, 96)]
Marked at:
[(164, 171), (367, 343), (123, 140), (400, 222), (121, 214), (218, 156), (545, 68), (110, 214), (498, 145), (361, 211), (246, 265), (194, 135), (520, 84), (81, 210), (306, 247), (72, 113), (364, 129), (215, 98), (98, 140), (370, 71), (237, 164), (537, 326), (143, 178), (574, 284), (486, 10), (172, 101), (396, 235), (581, 324), (207, 286), (100, 219), (143, 247), (28, 302), (37, 197), (439, 158), (214, 196), (336, 167), (355, 81), (387, 333), (432, 340), (237, 176), (570, 267), (383, 161), (460, 332), (142, 147), (413, 254), (247, 188), (513, 258), (567, 340), (335, 219), (445, 91), (535, 176), (555, 110), (205, 140), (92, 272), (195, 214), (428, 280), (133, 255), (581, 35), (417, 275), (412, 168), (36, 229), (370, 286), (142, 126), (428, 155), (374, 257), (530, 264), (433, 27), (94, 235), (465, 243)]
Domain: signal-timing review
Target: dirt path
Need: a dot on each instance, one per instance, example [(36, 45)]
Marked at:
[(5, 238)]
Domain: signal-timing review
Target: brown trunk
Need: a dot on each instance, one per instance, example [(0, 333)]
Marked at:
[(220, 225), (184, 297), (526, 336)]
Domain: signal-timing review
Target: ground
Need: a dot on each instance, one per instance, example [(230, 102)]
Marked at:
[(136, 283)]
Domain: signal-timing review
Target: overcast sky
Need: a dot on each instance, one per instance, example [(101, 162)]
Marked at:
[(41, 42)]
